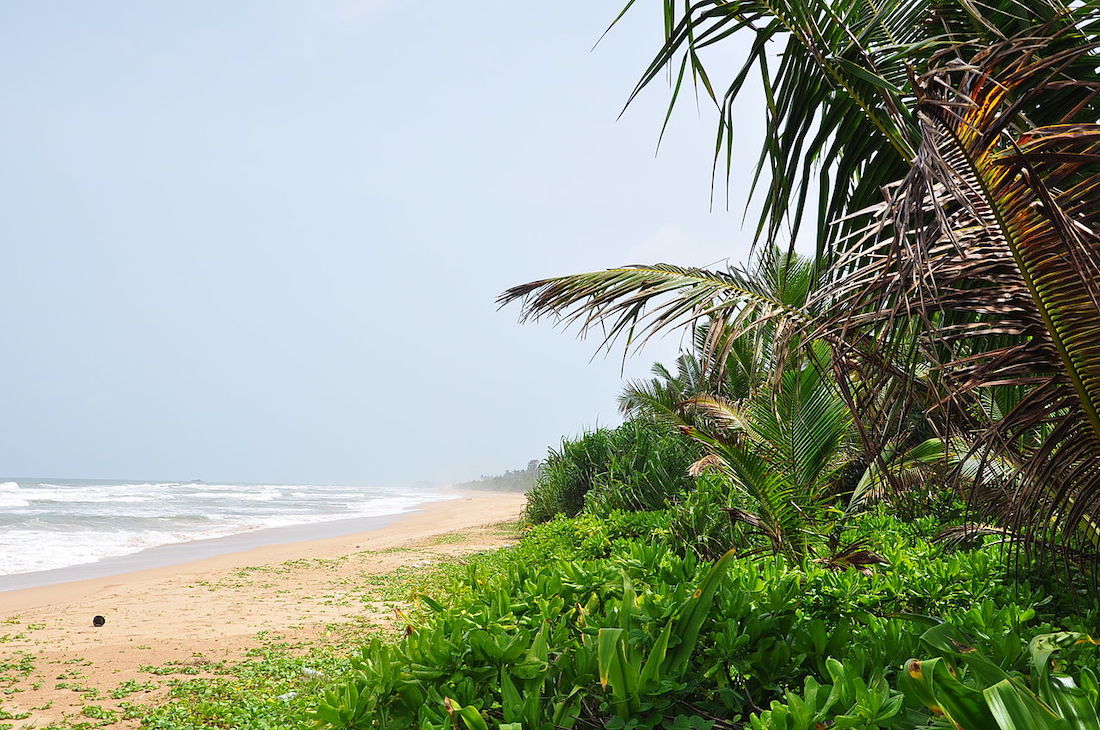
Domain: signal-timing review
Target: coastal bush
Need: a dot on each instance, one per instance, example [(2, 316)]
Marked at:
[(640, 465), (542, 634), (700, 522), (589, 536)]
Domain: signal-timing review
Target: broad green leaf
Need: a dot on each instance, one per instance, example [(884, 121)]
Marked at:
[(1015, 709)]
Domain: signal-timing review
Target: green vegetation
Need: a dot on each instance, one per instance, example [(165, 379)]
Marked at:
[(618, 630), (274, 687), (800, 477), (639, 465), (515, 480), (801, 465), (961, 305)]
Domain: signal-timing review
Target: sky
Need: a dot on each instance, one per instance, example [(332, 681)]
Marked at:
[(261, 240)]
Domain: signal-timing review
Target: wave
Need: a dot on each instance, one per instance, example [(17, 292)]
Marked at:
[(81, 523), (261, 497)]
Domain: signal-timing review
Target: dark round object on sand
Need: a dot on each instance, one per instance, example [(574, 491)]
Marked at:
[(98, 621)]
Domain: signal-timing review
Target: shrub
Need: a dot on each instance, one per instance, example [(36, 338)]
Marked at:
[(543, 636), (638, 466), (699, 522)]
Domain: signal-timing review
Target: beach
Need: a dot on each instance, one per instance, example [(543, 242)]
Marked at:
[(198, 613)]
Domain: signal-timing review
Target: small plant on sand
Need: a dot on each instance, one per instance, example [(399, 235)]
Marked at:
[(130, 687), (96, 712)]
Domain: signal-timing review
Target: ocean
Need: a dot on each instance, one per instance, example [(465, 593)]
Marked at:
[(51, 523)]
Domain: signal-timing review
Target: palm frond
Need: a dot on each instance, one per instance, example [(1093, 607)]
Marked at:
[(985, 264), (900, 469), (725, 414), (781, 450), (839, 95), (854, 555), (634, 303)]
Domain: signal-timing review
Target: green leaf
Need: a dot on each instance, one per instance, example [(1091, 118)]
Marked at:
[(1015, 709), (699, 608), (940, 691), (651, 671), (469, 715)]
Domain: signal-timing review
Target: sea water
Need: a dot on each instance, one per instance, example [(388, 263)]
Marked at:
[(52, 523)]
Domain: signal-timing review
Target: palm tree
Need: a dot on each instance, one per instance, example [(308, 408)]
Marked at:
[(784, 450), (989, 250), (772, 420), (970, 290), (837, 77), (729, 360)]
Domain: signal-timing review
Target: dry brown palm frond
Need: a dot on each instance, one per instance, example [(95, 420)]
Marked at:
[(854, 555), (710, 462), (985, 266), (970, 534)]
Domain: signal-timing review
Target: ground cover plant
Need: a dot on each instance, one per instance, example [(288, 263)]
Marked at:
[(624, 632)]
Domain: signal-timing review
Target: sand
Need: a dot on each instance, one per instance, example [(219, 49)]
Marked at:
[(213, 609)]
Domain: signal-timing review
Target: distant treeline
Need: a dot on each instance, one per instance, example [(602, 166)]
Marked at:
[(519, 480)]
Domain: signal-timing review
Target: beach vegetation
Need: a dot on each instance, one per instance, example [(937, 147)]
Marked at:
[(130, 686), (638, 466), (96, 712), (653, 637), (513, 480), (817, 569), (962, 302)]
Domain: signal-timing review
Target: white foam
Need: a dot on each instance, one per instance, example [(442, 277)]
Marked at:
[(82, 523), (261, 497)]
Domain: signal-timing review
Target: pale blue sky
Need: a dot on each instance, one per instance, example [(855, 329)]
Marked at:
[(261, 240)]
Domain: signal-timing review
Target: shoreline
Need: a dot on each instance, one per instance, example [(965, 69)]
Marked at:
[(262, 546), (219, 607), (188, 551)]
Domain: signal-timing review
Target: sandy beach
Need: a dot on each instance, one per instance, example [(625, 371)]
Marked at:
[(213, 609)]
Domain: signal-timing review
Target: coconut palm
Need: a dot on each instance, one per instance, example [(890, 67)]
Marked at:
[(837, 77), (784, 451), (989, 249), (725, 360), (970, 293), (772, 419)]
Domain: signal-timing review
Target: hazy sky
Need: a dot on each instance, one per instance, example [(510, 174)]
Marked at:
[(261, 240)]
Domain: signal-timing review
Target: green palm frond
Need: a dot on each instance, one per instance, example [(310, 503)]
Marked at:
[(662, 396), (837, 81), (637, 302), (782, 449), (900, 468), (634, 303), (727, 415)]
